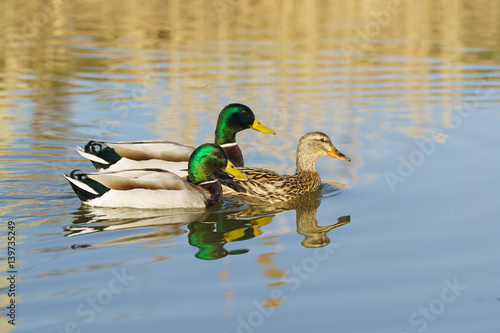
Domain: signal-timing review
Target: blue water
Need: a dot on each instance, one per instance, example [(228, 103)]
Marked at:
[(402, 239)]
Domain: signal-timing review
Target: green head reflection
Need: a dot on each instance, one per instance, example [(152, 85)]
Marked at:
[(210, 238)]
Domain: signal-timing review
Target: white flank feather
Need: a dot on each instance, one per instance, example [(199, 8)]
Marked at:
[(143, 189), (146, 179), (90, 156), (179, 168), (145, 150), (143, 198), (81, 185)]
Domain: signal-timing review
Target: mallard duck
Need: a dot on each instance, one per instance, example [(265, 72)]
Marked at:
[(157, 188), (173, 156), (271, 187)]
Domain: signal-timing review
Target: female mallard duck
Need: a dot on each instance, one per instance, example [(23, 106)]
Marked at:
[(173, 156), (272, 187), (156, 188)]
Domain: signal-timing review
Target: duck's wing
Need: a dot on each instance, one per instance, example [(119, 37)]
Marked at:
[(149, 179), (179, 168), (148, 188), (253, 174), (116, 156), (147, 150), (262, 175), (261, 184)]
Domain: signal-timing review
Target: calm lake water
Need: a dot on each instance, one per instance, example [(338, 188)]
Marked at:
[(405, 238)]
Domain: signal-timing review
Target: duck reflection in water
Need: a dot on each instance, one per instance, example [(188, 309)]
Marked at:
[(210, 238), (306, 208), (144, 224), (209, 231), (157, 226), (307, 225)]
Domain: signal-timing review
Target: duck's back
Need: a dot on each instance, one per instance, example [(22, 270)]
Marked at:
[(269, 186)]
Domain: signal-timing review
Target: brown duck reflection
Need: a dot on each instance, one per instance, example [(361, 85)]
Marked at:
[(307, 225), (306, 208)]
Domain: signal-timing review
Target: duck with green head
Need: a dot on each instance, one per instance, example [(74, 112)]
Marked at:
[(173, 156), (157, 188)]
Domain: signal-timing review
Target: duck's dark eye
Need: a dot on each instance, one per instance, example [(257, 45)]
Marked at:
[(322, 140)]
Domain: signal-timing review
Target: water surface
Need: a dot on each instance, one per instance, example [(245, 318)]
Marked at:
[(402, 239)]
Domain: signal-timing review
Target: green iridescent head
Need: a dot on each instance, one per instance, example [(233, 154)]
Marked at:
[(233, 119), (208, 159)]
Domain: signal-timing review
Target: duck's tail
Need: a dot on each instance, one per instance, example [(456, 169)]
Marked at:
[(84, 187), (101, 158)]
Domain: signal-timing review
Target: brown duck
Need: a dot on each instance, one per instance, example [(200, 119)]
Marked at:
[(271, 187)]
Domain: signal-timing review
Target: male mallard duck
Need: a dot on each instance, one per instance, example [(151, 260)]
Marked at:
[(156, 188), (272, 187), (173, 156)]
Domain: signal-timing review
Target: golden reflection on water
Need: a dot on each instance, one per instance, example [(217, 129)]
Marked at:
[(292, 61), (52, 42), (272, 272), (298, 64)]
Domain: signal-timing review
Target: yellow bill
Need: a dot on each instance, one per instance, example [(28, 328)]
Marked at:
[(256, 224), (231, 169), (261, 128), (335, 153)]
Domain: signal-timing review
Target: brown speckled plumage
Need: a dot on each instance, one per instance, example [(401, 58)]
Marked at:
[(269, 186)]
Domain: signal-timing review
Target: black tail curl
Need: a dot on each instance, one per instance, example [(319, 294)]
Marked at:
[(91, 146), (80, 177)]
